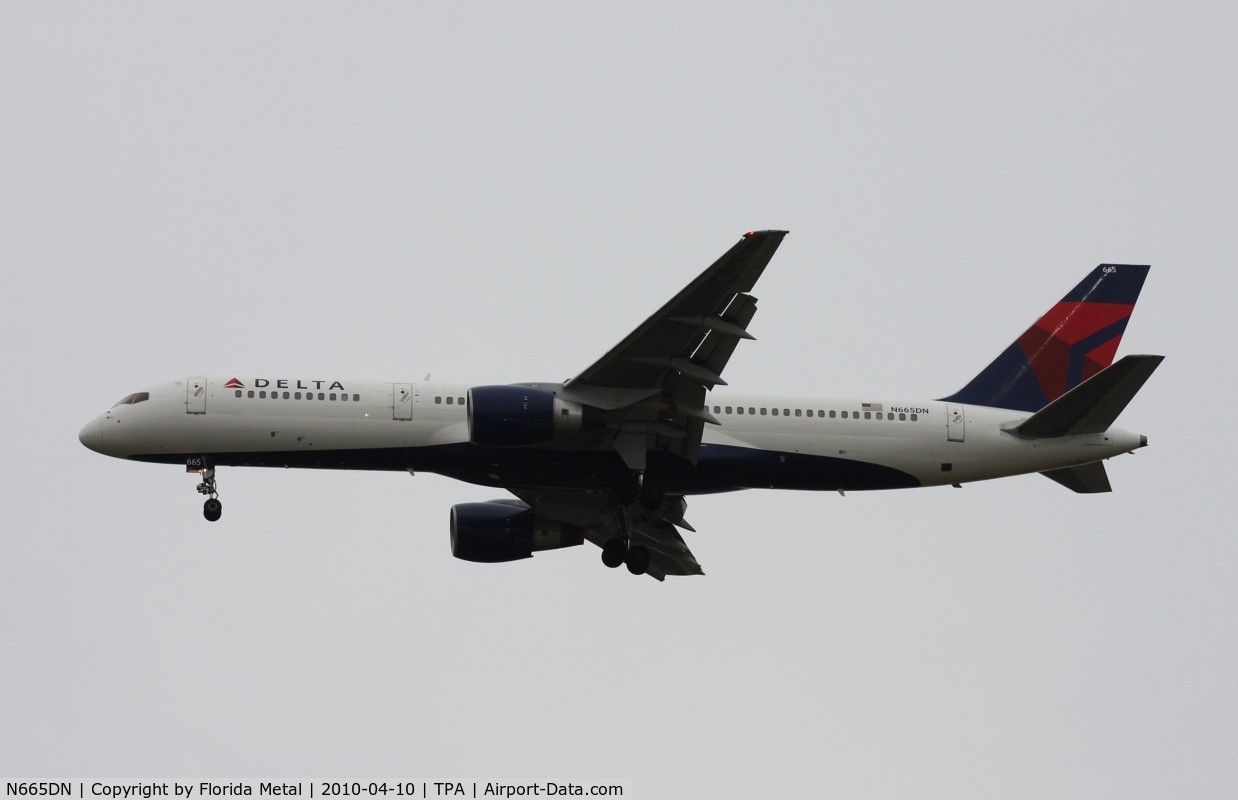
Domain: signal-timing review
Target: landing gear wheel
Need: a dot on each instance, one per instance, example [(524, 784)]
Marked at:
[(212, 509), (614, 552), (638, 560)]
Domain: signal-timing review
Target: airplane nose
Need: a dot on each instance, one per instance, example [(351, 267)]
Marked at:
[(92, 435)]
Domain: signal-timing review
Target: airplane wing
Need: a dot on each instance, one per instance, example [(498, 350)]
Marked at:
[(654, 382), (600, 517)]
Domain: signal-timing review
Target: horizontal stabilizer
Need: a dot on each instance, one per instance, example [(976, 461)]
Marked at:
[(1085, 479), (1092, 406)]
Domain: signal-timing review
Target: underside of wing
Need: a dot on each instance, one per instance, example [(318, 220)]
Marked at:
[(602, 519)]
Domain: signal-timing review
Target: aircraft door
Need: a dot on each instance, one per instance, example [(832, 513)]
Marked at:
[(956, 423), (195, 395), (402, 401)]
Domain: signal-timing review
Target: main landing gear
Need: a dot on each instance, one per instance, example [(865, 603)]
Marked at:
[(212, 509), (621, 551)]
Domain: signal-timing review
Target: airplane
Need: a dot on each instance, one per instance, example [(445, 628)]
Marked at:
[(610, 455)]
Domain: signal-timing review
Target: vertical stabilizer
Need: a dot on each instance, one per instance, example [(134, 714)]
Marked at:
[(1073, 341)]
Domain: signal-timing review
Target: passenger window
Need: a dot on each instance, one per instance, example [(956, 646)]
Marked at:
[(322, 395), (878, 415), (739, 410), (762, 412), (460, 401), (902, 417), (914, 417), (438, 401), (285, 395), (844, 415), (356, 398), (238, 392), (333, 395), (263, 394), (728, 409), (868, 415), (251, 393), (451, 401), (831, 414), (797, 412), (775, 412), (296, 396)]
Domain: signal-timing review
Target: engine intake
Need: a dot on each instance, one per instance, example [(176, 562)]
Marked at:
[(505, 530), (510, 416)]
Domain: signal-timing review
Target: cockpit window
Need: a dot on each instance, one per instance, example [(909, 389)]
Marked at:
[(136, 397)]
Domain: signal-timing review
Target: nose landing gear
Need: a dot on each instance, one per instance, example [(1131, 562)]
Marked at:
[(212, 509)]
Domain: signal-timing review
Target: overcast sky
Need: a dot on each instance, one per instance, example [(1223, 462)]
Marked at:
[(501, 192)]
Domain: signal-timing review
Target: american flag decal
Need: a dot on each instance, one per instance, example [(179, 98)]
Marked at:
[(871, 406)]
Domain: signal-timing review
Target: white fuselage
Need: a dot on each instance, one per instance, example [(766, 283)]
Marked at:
[(763, 440)]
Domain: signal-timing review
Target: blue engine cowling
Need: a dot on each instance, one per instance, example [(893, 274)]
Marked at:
[(510, 416), (505, 530)]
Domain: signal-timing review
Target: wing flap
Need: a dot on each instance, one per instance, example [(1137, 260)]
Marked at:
[(600, 518)]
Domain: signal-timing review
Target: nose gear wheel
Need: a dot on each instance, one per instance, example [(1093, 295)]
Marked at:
[(212, 509)]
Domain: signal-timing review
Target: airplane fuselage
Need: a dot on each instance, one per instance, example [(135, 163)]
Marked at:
[(762, 441)]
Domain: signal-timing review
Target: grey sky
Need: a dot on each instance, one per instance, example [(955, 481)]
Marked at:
[(496, 194)]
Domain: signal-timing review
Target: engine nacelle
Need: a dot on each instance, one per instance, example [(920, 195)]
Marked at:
[(505, 530), (509, 416)]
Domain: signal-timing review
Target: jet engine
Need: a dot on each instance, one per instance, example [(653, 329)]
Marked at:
[(508, 416), (505, 530)]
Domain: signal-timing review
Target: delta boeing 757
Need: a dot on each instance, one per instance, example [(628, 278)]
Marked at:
[(610, 455)]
